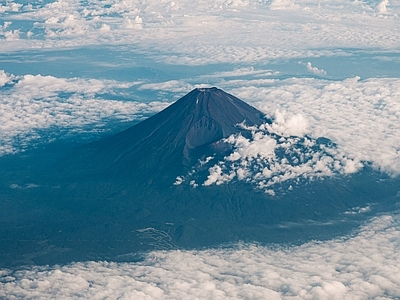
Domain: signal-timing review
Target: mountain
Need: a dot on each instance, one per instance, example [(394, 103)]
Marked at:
[(114, 198), (175, 139)]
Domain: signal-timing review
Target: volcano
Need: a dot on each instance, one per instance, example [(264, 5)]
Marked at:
[(114, 198), (175, 139)]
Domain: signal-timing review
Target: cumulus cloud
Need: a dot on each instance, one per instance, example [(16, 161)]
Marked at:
[(274, 155), (136, 23), (32, 103), (10, 6), (358, 210), (165, 29), (363, 266), (11, 35), (361, 116), (5, 78), (315, 70), (381, 7), (356, 114), (285, 124)]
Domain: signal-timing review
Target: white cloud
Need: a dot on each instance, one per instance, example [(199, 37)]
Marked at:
[(356, 114), (35, 102), (194, 33), (381, 7), (283, 4), (240, 72), (364, 266), (283, 124), (105, 27), (10, 6), (136, 23), (358, 210), (315, 70), (361, 116), (267, 159), (5, 78)]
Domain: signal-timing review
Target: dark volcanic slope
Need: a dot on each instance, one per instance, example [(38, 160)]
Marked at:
[(178, 136), (116, 196)]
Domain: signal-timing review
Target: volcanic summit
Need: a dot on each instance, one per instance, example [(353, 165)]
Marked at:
[(190, 129), (114, 198)]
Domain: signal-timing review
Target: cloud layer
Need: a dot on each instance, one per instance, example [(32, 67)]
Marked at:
[(275, 153), (363, 266), (33, 103), (355, 114), (358, 115), (361, 116), (186, 32)]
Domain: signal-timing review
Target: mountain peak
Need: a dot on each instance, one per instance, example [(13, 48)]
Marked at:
[(210, 90), (223, 108), (207, 90), (190, 129)]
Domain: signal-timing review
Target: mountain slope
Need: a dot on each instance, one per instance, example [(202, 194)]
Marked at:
[(116, 197), (177, 137)]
